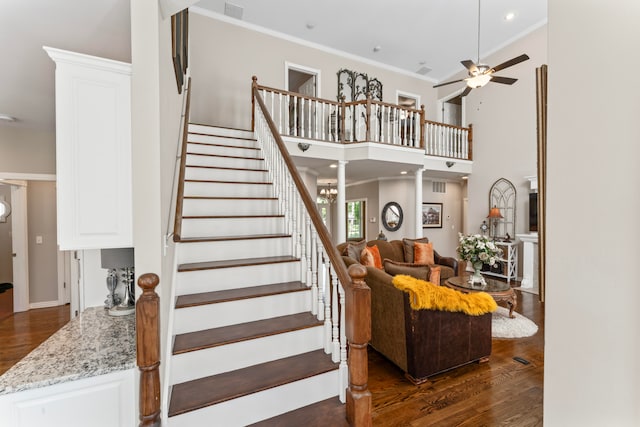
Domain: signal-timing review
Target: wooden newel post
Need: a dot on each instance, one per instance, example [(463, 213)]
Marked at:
[(367, 122), (423, 122), (148, 349), (254, 84), (343, 111), (358, 329), (470, 141)]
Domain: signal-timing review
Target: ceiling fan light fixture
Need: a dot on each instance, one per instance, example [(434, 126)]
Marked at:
[(478, 81)]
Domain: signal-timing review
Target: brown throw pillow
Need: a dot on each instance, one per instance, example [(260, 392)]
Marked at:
[(434, 275), (370, 257), (423, 253), (394, 268), (354, 249), (407, 245)]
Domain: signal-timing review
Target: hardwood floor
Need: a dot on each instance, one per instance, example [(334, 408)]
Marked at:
[(502, 392), (22, 332)]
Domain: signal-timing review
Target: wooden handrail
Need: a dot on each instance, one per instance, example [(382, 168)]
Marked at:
[(444, 125), (299, 95), (177, 222), (309, 204), (357, 295), (148, 349)]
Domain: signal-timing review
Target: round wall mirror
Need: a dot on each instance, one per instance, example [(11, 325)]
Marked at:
[(392, 216)]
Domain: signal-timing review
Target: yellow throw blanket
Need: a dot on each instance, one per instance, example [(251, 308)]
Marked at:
[(426, 295)]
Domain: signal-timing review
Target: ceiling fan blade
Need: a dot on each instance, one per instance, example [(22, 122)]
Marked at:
[(466, 91), (469, 65), (448, 83), (503, 80), (511, 62)]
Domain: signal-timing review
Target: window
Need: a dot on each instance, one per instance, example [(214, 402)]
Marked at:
[(356, 220)]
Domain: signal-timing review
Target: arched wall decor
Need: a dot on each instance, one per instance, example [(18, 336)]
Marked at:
[(503, 196)]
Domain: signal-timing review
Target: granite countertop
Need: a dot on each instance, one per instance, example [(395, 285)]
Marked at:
[(92, 344)]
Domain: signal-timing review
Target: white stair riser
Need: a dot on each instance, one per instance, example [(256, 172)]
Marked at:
[(221, 189), (191, 319), (213, 174), (224, 150), (214, 130), (225, 358), (223, 140), (194, 207), (228, 162), (263, 405), (218, 227), (233, 249), (193, 282)]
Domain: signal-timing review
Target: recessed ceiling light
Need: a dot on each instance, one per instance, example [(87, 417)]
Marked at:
[(333, 166), (509, 16), (403, 172), (465, 177), (310, 25), (377, 48), (7, 118)]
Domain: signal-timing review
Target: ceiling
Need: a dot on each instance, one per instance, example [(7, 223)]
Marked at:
[(411, 34)]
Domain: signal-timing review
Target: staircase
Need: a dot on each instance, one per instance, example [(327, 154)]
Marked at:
[(245, 345)]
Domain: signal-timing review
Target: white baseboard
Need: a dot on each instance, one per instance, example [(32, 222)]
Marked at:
[(43, 304)]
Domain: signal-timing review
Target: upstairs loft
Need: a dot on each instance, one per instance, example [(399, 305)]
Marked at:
[(381, 138)]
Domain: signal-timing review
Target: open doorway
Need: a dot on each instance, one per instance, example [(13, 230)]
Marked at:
[(29, 256), (302, 114)]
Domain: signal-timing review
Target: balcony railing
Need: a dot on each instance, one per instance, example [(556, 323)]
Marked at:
[(303, 116)]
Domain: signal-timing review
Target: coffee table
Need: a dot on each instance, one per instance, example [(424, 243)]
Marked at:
[(500, 291)]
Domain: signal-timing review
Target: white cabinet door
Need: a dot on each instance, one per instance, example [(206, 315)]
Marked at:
[(93, 151), (103, 401)]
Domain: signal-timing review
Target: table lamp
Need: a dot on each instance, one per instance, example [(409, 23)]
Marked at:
[(494, 216)]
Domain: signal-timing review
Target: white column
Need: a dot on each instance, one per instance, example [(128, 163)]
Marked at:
[(341, 208), (529, 260), (418, 197)]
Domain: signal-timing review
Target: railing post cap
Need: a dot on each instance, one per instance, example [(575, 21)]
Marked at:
[(148, 281), (357, 271), (254, 78)]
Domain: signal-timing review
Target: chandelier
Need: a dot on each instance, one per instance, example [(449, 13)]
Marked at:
[(329, 194)]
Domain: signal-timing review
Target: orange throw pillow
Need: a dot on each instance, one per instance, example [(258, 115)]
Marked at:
[(370, 257), (423, 253)]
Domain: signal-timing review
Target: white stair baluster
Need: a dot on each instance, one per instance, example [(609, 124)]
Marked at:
[(314, 272), (328, 301), (335, 317), (321, 280)]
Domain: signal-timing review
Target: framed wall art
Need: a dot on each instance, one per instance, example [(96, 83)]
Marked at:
[(432, 215)]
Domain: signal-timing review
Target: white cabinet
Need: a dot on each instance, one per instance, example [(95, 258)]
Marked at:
[(93, 151), (105, 400), (509, 261)]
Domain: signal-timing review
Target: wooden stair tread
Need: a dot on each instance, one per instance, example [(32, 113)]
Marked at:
[(193, 341), (227, 168), (204, 298), (208, 265), (227, 238), (329, 412), (225, 156), (228, 198), (207, 391), (213, 144), (230, 216), (213, 181)]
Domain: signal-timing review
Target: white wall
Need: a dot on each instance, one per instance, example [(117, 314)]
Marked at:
[(592, 332), (225, 56), (27, 150)]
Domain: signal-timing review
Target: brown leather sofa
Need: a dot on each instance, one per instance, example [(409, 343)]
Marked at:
[(420, 342)]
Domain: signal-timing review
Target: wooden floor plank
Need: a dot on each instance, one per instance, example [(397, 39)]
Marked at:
[(22, 332)]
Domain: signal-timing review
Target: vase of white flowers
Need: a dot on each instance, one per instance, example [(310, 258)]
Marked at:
[(477, 250)]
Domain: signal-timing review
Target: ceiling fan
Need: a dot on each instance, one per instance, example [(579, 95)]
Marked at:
[(481, 74)]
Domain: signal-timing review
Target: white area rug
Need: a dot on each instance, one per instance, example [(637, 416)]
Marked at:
[(502, 326)]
